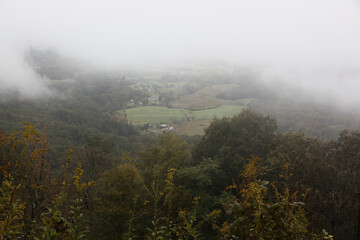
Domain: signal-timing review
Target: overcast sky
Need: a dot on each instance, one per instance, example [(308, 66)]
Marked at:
[(287, 36)]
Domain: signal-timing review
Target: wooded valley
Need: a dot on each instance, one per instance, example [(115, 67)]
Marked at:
[(97, 159)]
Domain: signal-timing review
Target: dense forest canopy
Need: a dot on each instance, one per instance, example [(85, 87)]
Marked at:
[(253, 182)]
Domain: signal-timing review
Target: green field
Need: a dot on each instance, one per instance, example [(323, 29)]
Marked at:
[(205, 98), (189, 113), (153, 114), (223, 111)]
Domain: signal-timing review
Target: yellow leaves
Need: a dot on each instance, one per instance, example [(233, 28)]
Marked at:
[(251, 169), (168, 182), (76, 180), (39, 187), (182, 213), (214, 213), (327, 235), (68, 158), (170, 177), (30, 133), (286, 166), (224, 228), (5, 168), (196, 200), (234, 186), (11, 209), (127, 158), (79, 171), (91, 183), (256, 208), (171, 173), (243, 191)]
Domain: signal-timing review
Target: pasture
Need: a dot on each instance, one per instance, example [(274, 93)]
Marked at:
[(205, 98), (220, 112), (185, 121), (189, 113), (154, 114)]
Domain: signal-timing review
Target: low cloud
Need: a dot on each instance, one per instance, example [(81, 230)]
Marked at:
[(16, 76), (313, 44)]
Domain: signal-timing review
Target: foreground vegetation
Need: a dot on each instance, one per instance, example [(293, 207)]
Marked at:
[(242, 180)]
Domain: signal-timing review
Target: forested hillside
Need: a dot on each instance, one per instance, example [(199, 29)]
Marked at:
[(77, 112), (241, 180)]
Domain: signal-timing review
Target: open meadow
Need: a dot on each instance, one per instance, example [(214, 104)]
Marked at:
[(204, 98), (153, 114), (222, 111), (186, 122)]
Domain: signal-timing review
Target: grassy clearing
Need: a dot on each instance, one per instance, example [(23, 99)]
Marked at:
[(192, 128), (197, 120), (204, 98), (154, 114), (194, 102), (188, 114), (191, 113), (223, 111)]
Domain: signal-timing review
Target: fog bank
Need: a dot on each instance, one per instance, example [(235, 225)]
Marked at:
[(313, 44)]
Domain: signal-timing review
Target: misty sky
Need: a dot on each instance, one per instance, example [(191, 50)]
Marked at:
[(303, 42)]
